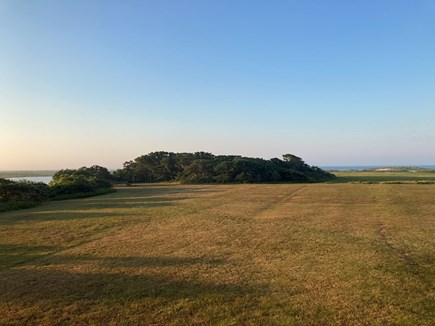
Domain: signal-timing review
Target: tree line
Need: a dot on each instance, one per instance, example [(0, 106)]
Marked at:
[(203, 167)]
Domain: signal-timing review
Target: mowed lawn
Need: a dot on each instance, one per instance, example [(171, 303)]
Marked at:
[(303, 254)]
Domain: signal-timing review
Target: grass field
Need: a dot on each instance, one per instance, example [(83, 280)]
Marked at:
[(304, 254), (420, 176)]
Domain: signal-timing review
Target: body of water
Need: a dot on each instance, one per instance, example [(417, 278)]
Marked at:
[(33, 179), (365, 167)]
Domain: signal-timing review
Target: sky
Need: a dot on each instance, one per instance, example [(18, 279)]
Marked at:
[(336, 82)]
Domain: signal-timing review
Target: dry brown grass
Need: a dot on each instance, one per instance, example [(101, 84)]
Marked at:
[(223, 254)]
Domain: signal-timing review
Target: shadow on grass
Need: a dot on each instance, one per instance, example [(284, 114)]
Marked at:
[(164, 189), (139, 197), (12, 254), (87, 210), (32, 283), (130, 202), (67, 287), (125, 261), (66, 215)]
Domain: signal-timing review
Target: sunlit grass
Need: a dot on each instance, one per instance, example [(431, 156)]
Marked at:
[(419, 176), (223, 254)]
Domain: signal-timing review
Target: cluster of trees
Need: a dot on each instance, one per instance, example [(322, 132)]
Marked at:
[(202, 167), (66, 184), (84, 180)]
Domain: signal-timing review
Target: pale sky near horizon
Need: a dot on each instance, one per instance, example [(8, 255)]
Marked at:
[(336, 82)]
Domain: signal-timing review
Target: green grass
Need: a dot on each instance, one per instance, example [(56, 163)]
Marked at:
[(419, 176), (303, 254), (97, 192), (5, 207)]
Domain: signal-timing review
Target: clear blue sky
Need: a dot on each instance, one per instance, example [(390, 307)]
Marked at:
[(337, 82)]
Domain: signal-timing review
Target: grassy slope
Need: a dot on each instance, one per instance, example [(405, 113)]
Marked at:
[(223, 254)]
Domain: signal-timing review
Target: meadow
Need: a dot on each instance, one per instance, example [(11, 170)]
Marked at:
[(264, 254), (417, 176)]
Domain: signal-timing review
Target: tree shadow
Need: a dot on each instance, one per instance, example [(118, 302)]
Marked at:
[(131, 202), (67, 215), (167, 189), (68, 287), (36, 282), (13, 254), (143, 196), (87, 210), (124, 261)]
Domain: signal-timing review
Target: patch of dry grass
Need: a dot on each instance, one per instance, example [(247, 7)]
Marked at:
[(223, 254)]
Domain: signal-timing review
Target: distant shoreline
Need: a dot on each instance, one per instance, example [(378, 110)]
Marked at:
[(26, 173), (386, 168)]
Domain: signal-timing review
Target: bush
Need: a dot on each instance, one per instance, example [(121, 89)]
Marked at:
[(83, 180), (20, 191), (21, 194)]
